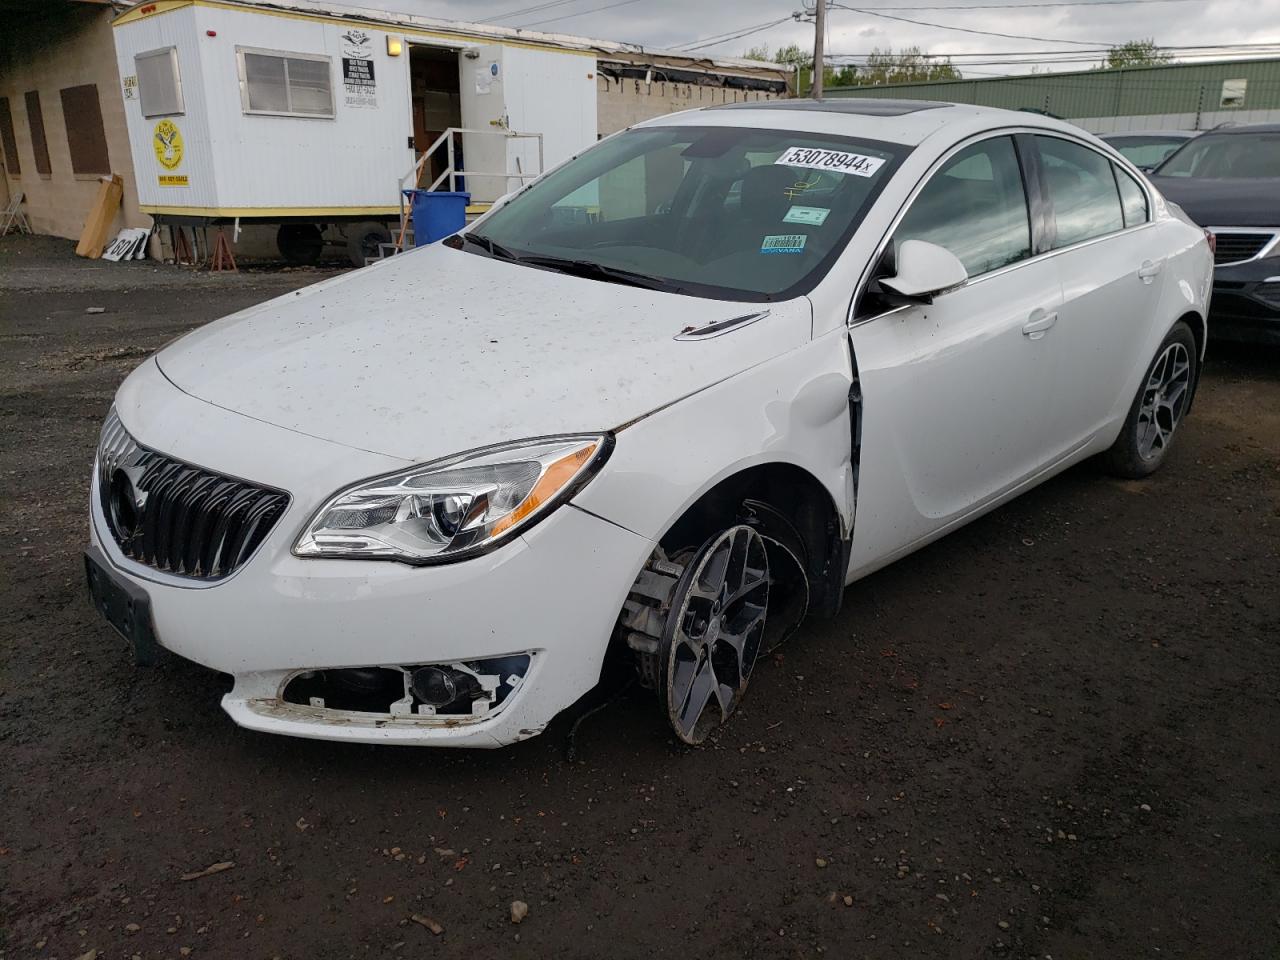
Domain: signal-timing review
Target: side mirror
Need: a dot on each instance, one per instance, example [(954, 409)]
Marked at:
[(924, 271)]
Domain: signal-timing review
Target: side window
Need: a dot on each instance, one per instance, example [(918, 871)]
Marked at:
[(1082, 191), (1132, 199), (976, 207), (285, 84), (159, 82)]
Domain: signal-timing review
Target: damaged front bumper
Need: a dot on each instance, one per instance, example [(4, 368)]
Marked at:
[(551, 595)]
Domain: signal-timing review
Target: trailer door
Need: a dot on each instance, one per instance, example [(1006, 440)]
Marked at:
[(484, 108)]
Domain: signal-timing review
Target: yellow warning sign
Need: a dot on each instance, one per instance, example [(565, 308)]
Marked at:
[(168, 144), (173, 180)]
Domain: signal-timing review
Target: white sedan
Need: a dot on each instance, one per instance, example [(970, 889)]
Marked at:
[(661, 404)]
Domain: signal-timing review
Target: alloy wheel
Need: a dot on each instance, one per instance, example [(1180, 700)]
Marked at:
[(1163, 401), (714, 632)]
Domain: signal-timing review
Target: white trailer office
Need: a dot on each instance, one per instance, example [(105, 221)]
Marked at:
[(263, 113), (309, 115)]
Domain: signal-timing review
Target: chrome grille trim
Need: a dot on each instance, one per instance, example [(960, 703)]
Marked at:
[(182, 520), (1243, 244)]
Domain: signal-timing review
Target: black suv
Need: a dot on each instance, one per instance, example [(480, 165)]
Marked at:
[(1228, 180)]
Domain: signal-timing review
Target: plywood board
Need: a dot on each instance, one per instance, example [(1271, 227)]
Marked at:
[(94, 236)]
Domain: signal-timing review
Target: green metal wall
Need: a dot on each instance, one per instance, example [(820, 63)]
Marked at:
[(1141, 91)]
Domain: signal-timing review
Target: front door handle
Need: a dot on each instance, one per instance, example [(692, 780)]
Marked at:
[(1150, 269), (1039, 322)]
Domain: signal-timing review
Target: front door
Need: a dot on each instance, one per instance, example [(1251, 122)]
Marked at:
[(956, 393)]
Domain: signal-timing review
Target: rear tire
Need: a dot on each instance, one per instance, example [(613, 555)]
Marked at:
[(1158, 409), (300, 243), (363, 240)]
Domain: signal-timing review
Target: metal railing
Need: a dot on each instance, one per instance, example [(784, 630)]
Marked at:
[(451, 172)]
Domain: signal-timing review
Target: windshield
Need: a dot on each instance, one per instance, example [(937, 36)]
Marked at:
[(1234, 156), (1146, 152), (723, 212)]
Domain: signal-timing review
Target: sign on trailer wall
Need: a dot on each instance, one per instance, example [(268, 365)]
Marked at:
[(358, 80)]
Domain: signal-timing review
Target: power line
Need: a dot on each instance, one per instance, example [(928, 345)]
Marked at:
[(580, 13), (1185, 50), (985, 33), (731, 35), (1027, 6), (523, 10)]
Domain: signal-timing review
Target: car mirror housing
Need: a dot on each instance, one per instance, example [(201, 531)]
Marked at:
[(924, 271)]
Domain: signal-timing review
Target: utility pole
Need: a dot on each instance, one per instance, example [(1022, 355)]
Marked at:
[(819, 68)]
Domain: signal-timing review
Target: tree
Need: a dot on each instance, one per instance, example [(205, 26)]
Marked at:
[(908, 66), (802, 60), (1135, 53)]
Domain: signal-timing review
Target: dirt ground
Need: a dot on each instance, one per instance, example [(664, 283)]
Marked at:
[(1053, 734)]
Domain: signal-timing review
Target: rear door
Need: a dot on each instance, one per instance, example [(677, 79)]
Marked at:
[(1111, 268), (956, 392)]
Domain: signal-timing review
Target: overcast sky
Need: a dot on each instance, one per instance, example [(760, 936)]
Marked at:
[(672, 23)]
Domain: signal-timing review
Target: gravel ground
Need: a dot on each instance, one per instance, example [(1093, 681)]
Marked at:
[(1052, 734)]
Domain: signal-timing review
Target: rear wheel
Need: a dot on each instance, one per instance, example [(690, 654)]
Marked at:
[(363, 240), (1158, 408), (300, 243)]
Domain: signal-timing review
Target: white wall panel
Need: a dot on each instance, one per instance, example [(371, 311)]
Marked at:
[(353, 159), (177, 29)]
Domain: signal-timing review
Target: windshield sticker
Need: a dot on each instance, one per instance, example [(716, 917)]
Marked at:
[(783, 243), (812, 216), (837, 161)]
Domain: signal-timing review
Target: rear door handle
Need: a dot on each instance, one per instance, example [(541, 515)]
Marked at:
[(1150, 270), (1038, 324)]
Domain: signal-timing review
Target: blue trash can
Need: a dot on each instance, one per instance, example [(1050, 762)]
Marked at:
[(436, 214)]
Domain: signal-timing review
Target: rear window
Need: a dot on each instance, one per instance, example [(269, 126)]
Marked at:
[(1147, 152), (1235, 156)]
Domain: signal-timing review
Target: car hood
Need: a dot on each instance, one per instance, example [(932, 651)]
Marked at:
[(1225, 203), (439, 351)]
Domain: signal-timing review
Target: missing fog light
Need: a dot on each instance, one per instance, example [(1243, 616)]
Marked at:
[(472, 688), (441, 686)]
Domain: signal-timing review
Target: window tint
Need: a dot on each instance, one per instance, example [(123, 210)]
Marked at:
[(1132, 199), (159, 84), (726, 212), (293, 85), (976, 207), (1146, 151), (1082, 189), (1226, 156), (86, 139)]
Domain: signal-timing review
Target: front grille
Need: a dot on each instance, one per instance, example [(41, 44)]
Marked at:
[(177, 518), (1235, 247)]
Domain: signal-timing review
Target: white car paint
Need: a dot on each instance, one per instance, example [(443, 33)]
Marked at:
[(591, 354), (965, 402)]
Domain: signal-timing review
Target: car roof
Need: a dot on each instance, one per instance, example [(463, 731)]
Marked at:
[(907, 122), (862, 106), (1176, 134), (1244, 128)]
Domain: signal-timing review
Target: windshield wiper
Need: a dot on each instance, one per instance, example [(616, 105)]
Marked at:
[(484, 243), (598, 271)]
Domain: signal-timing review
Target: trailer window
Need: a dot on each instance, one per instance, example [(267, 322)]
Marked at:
[(285, 84), (159, 83)]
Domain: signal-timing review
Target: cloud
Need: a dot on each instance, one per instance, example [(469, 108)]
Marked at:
[(671, 23)]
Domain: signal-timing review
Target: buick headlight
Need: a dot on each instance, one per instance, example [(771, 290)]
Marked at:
[(453, 508)]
